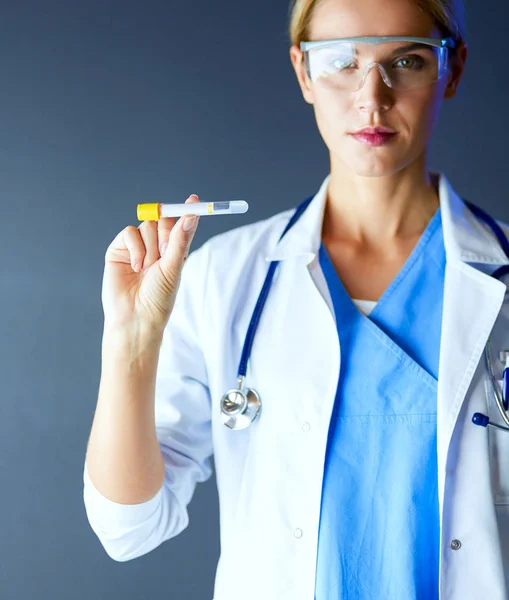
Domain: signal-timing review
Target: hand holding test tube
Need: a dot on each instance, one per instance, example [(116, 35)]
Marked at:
[(143, 264), (155, 211), (142, 273)]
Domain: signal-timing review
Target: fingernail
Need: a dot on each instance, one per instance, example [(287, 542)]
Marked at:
[(189, 223)]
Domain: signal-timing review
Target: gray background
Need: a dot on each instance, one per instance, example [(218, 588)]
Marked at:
[(107, 104)]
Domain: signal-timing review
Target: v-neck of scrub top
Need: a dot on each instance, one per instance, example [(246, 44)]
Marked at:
[(365, 306), (379, 523)]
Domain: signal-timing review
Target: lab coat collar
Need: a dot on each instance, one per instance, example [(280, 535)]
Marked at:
[(465, 238)]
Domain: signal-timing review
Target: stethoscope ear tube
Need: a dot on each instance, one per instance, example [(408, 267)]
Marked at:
[(480, 418), (500, 400), (484, 421)]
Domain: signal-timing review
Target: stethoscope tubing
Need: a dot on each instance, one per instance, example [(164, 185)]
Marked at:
[(254, 404), (262, 298), (479, 418)]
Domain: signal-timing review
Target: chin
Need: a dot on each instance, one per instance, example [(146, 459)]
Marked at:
[(373, 166), (379, 161)]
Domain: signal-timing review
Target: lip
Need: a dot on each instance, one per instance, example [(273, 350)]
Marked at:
[(378, 139), (374, 136), (373, 130)]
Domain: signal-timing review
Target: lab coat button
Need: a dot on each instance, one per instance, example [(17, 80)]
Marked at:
[(298, 533), (306, 427), (455, 544)]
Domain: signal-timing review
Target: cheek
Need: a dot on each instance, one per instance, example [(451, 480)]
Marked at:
[(334, 118), (420, 114)]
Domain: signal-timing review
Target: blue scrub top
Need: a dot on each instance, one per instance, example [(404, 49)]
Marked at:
[(379, 525)]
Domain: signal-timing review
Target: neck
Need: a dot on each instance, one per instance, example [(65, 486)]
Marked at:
[(374, 212)]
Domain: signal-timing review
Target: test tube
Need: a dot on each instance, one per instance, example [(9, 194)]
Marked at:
[(157, 210)]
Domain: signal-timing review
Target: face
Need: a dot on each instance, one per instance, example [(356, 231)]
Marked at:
[(411, 113)]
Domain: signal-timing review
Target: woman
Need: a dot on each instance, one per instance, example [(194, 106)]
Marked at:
[(363, 475)]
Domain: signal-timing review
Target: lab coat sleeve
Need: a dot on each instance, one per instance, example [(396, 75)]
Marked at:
[(183, 427)]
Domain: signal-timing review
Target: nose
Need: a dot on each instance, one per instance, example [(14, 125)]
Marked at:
[(375, 92), (381, 72)]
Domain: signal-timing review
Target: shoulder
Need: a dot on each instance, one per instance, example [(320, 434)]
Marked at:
[(259, 236), (481, 223), (503, 226), (241, 247)]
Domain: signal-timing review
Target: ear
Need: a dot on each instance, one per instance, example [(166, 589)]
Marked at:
[(297, 58), (457, 64)]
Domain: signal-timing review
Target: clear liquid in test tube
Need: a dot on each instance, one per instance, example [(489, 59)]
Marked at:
[(158, 210)]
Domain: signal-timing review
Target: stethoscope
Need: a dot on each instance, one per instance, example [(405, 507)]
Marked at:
[(241, 406), (501, 399)]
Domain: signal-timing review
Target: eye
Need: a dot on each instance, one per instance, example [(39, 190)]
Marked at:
[(411, 62), (341, 63)]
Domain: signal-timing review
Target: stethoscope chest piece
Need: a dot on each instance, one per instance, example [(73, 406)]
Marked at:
[(240, 407)]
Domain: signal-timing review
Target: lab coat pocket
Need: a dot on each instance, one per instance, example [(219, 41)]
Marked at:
[(499, 448)]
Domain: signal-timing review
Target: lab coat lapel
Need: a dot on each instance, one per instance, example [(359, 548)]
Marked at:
[(472, 301)]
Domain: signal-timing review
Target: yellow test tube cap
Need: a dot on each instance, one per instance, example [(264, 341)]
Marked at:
[(149, 212)]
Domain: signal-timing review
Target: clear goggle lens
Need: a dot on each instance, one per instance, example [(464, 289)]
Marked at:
[(345, 65)]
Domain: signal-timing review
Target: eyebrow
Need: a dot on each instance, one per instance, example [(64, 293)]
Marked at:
[(413, 46), (408, 47), (405, 48)]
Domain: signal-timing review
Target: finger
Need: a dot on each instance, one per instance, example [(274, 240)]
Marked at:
[(164, 227), (177, 251), (148, 233), (133, 241), (126, 248), (166, 224)]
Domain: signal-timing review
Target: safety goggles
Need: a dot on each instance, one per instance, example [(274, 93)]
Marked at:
[(405, 63)]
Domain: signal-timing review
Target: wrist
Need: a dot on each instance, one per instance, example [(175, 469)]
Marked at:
[(133, 338)]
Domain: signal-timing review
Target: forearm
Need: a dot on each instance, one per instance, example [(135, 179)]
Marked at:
[(124, 460)]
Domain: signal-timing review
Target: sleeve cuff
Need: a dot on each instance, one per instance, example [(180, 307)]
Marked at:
[(103, 510)]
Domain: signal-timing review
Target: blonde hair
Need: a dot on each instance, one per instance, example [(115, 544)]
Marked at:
[(448, 18)]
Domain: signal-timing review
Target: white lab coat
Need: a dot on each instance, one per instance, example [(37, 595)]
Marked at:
[(269, 476)]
